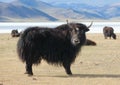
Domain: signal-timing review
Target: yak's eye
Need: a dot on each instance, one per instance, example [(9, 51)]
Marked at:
[(82, 31)]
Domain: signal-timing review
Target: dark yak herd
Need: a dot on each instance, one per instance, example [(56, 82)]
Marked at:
[(57, 46)]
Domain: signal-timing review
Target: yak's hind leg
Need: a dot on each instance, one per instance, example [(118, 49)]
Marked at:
[(29, 68), (105, 35), (30, 62), (67, 68)]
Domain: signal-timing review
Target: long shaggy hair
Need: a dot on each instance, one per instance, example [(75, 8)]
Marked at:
[(55, 46)]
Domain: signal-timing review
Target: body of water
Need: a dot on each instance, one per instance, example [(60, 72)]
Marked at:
[(97, 27)]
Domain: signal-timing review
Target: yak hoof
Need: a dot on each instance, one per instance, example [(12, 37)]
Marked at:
[(69, 74), (29, 73)]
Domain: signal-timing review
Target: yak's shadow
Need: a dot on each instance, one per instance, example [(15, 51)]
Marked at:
[(98, 75), (93, 76), (83, 76)]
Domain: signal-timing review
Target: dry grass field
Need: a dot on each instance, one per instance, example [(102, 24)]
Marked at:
[(95, 65)]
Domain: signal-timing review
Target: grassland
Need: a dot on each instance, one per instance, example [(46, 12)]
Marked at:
[(95, 65)]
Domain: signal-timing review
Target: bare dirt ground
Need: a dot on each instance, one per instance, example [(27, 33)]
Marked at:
[(95, 65)]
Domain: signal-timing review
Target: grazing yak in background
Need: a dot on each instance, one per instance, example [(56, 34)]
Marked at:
[(90, 42), (58, 46), (14, 33), (109, 32)]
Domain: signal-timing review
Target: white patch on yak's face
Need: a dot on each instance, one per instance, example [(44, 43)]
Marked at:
[(77, 29), (75, 37)]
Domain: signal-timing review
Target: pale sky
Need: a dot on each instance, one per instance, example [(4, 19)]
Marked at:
[(89, 2)]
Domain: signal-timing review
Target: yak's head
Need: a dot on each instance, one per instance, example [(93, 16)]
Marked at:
[(75, 32), (114, 36), (78, 33)]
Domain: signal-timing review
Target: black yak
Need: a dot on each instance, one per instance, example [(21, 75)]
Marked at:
[(109, 32), (56, 46), (15, 33), (90, 42)]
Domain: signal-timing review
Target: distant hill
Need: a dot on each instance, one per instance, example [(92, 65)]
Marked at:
[(12, 11), (93, 12), (54, 11), (35, 10)]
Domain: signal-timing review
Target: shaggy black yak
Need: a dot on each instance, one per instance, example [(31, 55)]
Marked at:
[(58, 46)]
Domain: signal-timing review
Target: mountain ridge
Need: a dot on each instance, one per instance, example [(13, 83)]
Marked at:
[(42, 11)]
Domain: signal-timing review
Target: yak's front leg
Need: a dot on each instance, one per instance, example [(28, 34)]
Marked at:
[(29, 69), (67, 68)]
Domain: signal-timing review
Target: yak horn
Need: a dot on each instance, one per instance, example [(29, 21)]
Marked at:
[(90, 25)]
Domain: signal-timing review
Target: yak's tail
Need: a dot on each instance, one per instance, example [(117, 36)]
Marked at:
[(25, 47), (21, 46)]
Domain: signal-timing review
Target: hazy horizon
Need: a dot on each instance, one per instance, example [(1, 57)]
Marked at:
[(97, 27)]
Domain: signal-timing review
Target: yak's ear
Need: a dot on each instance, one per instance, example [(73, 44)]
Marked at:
[(86, 30), (89, 27)]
